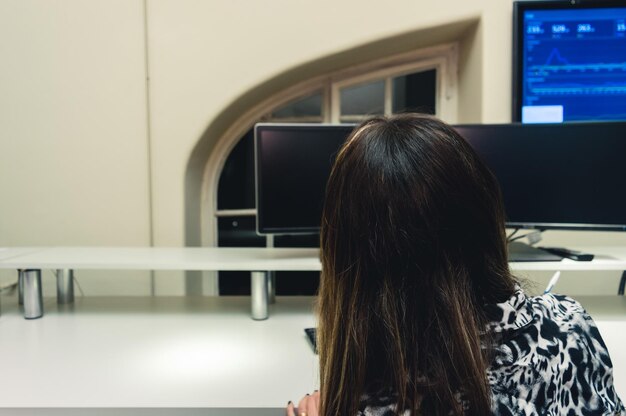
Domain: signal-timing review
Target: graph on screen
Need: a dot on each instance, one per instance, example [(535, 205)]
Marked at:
[(574, 65)]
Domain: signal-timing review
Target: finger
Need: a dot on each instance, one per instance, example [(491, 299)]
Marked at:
[(314, 404), (303, 405), (290, 411)]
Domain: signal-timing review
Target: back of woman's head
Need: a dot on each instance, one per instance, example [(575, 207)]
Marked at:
[(413, 246)]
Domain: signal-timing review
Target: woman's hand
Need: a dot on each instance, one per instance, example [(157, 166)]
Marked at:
[(308, 406)]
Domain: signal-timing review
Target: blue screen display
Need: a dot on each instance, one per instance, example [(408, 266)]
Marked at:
[(574, 65)]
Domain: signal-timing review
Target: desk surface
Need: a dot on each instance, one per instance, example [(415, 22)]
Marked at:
[(606, 258), (185, 352), (164, 352), (161, 258), (222, 258)]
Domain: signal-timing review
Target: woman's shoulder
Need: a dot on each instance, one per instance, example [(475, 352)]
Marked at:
[(521, 311), (545, 327), (561, 309), (550, 356), (563, 321)]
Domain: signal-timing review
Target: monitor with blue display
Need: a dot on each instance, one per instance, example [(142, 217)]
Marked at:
[(569, 61)]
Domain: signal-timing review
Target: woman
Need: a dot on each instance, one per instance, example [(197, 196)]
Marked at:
[(418, 311)]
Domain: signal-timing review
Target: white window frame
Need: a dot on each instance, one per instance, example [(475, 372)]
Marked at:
[(443, 59)]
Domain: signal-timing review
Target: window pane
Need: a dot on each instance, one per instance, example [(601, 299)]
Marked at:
[(307, 106), (236, 186), (363, 99), (353, 119), (415, 92)]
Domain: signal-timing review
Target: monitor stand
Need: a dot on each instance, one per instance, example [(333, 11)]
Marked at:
[(523, 252)]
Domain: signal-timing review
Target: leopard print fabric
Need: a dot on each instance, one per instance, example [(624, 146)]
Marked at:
[(549, 359)]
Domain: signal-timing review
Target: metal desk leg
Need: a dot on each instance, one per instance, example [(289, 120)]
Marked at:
[(20, 287), (258, 282), (65, 286), (33, 301), (271, 287)]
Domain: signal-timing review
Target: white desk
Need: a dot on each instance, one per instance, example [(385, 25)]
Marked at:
[(158, 258), (185, 352), (157, 352), (255, 260), (224, 258), (606, 258), (67, 259)]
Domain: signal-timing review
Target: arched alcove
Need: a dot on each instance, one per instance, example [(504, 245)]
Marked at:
[(208, 156)]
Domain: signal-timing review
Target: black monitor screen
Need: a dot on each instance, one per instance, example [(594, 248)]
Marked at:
[(569, 61), (570, 176), (293, 163)]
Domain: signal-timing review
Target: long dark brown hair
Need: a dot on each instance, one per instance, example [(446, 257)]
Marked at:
[(413, 246)]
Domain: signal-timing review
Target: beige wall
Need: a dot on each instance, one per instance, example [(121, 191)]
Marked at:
[(73, 144), (75, 152)]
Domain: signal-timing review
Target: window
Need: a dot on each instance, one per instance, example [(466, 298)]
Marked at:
[(422, 81), (416, 91)]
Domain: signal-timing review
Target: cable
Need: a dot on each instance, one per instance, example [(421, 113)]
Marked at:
[(519, 237), (533, 237), (80, 289), (622, 284), (10, 288), (510, 236)]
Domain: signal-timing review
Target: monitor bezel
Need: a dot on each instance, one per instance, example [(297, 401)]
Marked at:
[(564, 226), (521, 6), (264, 230)]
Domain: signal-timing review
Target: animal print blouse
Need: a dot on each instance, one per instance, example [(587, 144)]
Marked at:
[(550, 360)]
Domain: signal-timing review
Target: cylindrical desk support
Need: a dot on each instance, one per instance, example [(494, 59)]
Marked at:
[(20, 287), (65, 286), (258, 282), (271, 287), (33, 301)]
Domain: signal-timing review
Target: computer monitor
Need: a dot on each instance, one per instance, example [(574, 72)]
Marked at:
[(553, 176), (293, 163), (569, 60), (564, 176)]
